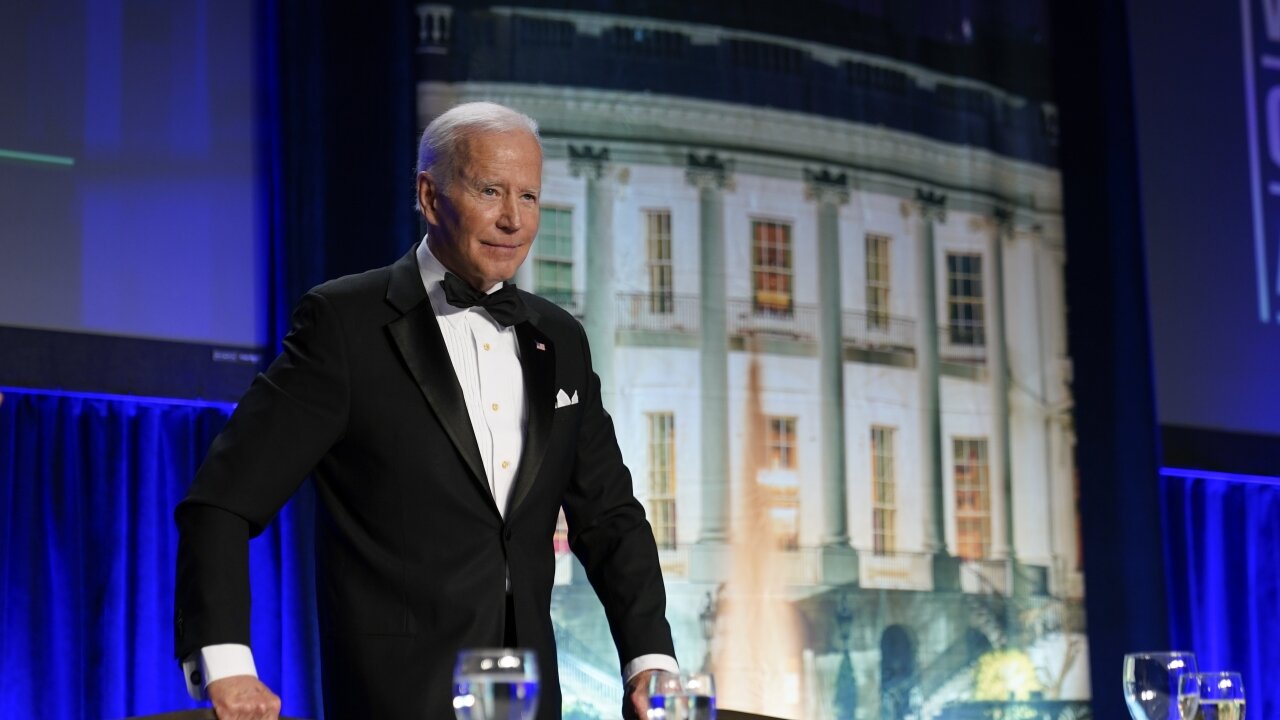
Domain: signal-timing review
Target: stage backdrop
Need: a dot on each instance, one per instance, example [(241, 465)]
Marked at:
[(818, 251), (819, 256)]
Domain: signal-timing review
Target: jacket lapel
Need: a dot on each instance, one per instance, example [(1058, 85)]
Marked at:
[(538, 363), (417, 336)]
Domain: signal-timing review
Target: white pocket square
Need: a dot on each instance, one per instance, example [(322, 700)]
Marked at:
[(563, 399)]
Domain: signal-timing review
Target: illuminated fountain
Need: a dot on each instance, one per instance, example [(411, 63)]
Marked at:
[(757, 658)]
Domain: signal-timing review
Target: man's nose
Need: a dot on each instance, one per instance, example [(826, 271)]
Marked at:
[(509, 219)]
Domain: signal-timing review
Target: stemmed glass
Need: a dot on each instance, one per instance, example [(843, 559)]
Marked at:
[(1221, 695), (495, 684), (1154, 689), (682, 696)]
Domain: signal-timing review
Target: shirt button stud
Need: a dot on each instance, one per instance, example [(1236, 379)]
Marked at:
[(486, 347), (505, 464), (494, 407)]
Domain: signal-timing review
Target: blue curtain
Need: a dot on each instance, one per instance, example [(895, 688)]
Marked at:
[(88, 483), (337, 141), (1222, 541), (87, 490), (1117, 454)]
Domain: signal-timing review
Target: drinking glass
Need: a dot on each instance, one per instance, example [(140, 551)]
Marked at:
[(1153, 689), (1188, 695), (682, 696), (495, 684), (1221, 695)]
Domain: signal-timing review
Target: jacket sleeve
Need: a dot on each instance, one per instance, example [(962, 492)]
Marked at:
[(612, 538), (286, 422)]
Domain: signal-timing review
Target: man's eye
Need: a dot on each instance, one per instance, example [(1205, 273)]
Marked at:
[(489, 191)]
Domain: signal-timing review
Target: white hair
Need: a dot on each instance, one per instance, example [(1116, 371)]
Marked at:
[(438, 149)]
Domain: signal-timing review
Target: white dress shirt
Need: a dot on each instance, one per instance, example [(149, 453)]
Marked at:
[(487, 362), (486, 359)]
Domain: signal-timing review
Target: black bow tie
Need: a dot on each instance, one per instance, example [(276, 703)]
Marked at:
[(504, 305)]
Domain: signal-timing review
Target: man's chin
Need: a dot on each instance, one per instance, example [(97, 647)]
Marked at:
[(501, 270), (497, 276)]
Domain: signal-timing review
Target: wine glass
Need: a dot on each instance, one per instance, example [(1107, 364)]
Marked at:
[(682, 696), (1221, 695), (1152, 685), (1189, 695), (495, 684)]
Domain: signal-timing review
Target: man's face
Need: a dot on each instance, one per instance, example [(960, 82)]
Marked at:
[(482, 225)]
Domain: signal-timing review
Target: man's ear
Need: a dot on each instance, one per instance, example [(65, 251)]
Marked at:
[(428, 197)]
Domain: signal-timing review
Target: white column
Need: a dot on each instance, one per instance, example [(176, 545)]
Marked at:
[(839, 561), (998, 375), (708, 559), (599, 303), (933, 209)]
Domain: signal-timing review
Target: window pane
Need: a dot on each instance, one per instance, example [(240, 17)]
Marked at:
[(877, 273), (553, 255), (884, 513), (964, 299), (662, 479), (658, 244), (772, 270), (781, 493), (972, 498)]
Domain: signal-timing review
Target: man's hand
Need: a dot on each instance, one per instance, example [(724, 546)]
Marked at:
[(635, 706), (243, 697)]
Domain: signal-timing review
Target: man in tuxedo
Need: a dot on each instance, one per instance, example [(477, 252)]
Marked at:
[(446, 418)]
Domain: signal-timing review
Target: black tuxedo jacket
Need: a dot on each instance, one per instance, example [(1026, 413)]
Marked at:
[(411, 552)]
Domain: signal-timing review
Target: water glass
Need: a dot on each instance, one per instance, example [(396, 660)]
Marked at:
[(1153, 686), (682, 696), (495, 684), (1221, 695)]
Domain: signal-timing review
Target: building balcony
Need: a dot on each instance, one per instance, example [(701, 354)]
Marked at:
[(679, 317), (656, 313), (682, 314), (878, 331), (746, 319), (867, 336)]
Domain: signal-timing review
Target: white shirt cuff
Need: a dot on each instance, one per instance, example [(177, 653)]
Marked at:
[(216, 662), (654, 661)]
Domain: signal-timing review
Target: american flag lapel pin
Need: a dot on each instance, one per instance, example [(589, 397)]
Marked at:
[(539, 345)]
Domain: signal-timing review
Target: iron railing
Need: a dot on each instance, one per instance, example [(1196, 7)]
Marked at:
[(659, 312), (874, 330), (682, 315), (745, 318)]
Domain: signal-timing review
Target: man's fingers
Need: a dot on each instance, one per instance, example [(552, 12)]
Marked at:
[(245, 709), (243, 697), (636, 704), (639, 705), (249, 709)]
